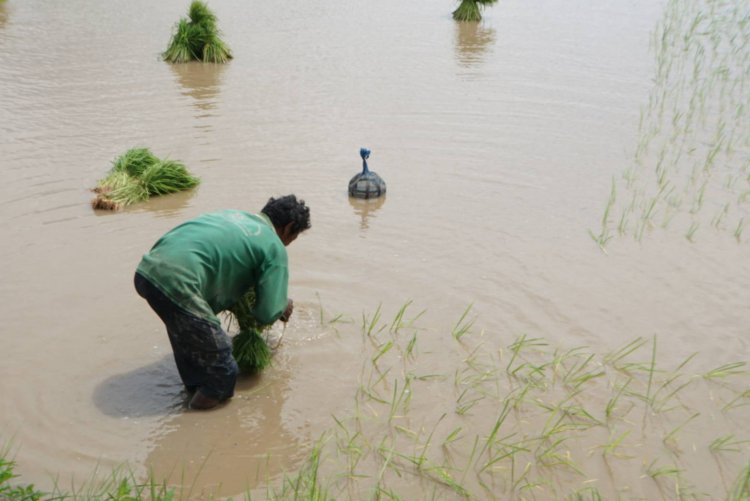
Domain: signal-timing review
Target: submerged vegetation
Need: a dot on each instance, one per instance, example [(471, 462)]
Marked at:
[(517, 420), (197, 38), (138, 175), (523, 421), (691, 167), (529, 421), (471, 10)]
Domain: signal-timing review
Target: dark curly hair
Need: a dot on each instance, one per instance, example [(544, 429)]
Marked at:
[(287, 209)]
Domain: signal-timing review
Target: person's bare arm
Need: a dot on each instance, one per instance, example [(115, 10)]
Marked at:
[(288, 311)]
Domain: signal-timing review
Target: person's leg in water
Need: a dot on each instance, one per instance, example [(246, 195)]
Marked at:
[(202, 350)]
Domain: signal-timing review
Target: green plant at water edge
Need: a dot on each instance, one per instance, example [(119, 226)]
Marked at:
[(15, 492), (471, 10), (197, 38), (138, 175), (539, 411), (249, 348), (119, 486), (741, 487), (306, 483)]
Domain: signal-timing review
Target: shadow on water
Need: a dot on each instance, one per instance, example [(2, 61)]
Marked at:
[(366, 209), (473, 42), (248, 432), (234, 448), (151, 390), (201, 81)]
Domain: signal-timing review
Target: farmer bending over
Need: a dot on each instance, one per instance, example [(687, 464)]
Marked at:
[(205, 266)]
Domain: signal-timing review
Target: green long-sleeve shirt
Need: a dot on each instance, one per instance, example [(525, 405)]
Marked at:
[(206, 264)]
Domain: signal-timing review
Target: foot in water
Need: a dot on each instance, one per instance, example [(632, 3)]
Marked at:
[(202, 403)]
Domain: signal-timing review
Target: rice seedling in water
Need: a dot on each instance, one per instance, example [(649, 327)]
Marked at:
[(586, 494), (726, 370), (471, 10), (197, 38), (463, 326), (727, 443), (405, 437), (138, 175), (249, 348), (689, 159), (737, 401), (741, 487)]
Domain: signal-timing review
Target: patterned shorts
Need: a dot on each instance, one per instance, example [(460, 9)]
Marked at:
[(202, 350)]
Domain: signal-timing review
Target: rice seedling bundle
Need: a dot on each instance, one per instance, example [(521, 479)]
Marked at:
[(135, 161), (197, 38), (470, 10), (138, 175), (249, 348), (166, 176)]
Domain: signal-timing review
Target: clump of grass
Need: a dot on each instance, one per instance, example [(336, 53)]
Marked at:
[(7, 491), (471, 10), (249, 348), (138, 175), (121, 484), (197, 38)]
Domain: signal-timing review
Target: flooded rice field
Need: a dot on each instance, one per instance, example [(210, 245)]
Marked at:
[(550, 301)]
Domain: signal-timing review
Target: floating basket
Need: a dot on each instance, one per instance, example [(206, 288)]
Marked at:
[(366, 184)]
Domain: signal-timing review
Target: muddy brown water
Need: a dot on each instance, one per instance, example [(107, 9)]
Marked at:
[(498, 142)]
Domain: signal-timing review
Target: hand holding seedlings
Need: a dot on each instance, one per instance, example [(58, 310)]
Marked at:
[(288, 312)]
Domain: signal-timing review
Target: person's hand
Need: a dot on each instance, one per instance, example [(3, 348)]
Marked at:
[(287, 312)]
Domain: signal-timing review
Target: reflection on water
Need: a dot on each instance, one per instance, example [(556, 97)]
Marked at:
[(242, 445), (162, 205), (473, 41), (168, 205), (503, 170), (201, 81), (365, 209), (3, 14)]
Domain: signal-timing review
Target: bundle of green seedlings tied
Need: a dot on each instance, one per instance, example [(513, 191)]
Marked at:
[(470, 10), (197, 38), (249, 348), (138, 175)]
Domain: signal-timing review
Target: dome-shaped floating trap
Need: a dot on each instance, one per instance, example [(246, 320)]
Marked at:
[(366, 184)]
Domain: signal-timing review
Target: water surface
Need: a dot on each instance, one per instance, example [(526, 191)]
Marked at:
[(498, 141)]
